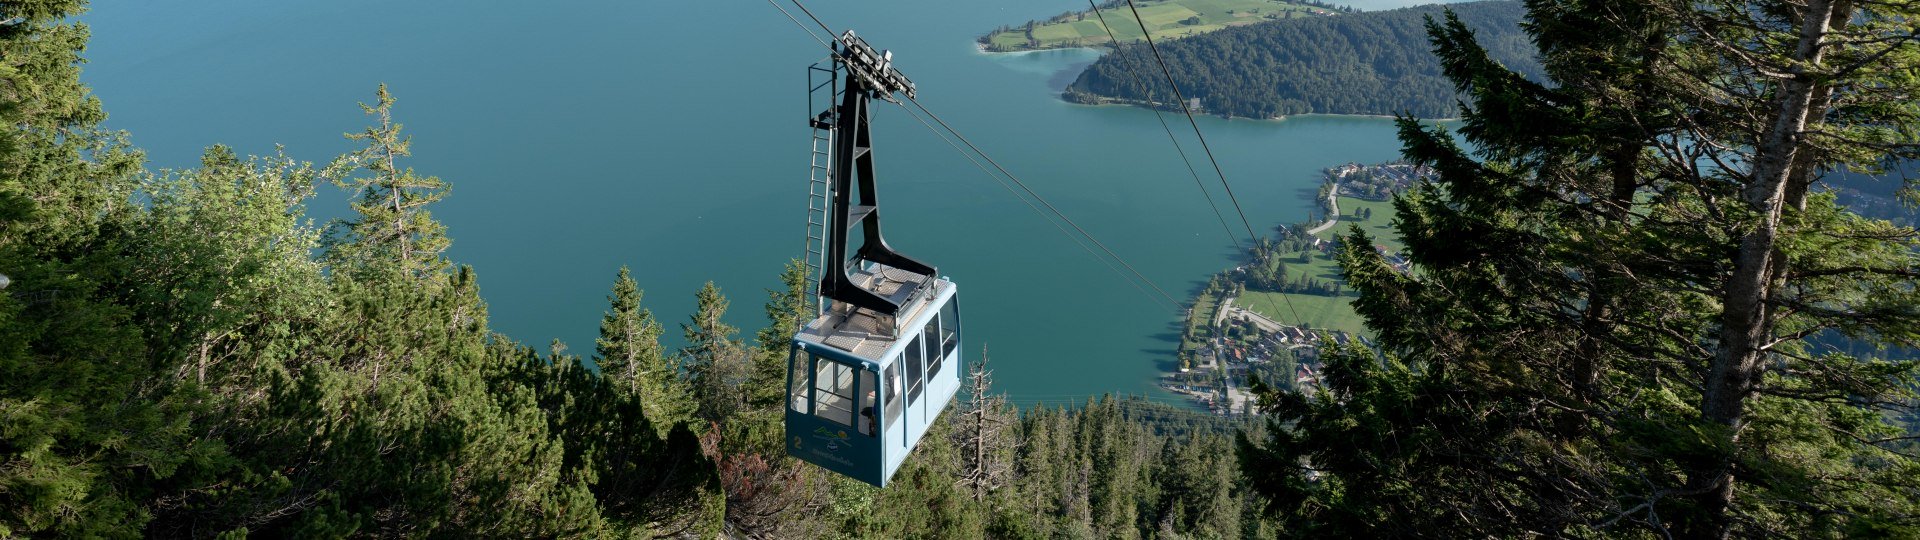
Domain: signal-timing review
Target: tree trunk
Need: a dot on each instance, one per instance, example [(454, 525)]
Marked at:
[(1746, 315), (1623, 163)]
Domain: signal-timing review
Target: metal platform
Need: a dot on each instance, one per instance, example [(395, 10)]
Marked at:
[(866, 334)]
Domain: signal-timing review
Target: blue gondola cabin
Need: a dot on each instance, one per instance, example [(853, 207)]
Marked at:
[(868, 376), (862, 390)]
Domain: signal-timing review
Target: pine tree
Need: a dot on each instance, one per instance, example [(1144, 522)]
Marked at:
[(716, 363), (392, 227), (787, 310), (1581, 256), (93, 422), (226, 253), (629, 354), (232, 294)]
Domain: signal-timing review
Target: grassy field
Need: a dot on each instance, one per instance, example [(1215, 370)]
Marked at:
[(1319, 266), (1203, 309), (1319, 312), (1166, 19), (1380, 226), (1327, 312)]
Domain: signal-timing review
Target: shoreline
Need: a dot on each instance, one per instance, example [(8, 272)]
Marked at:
[(1201, 369), (981, 48), (1225, 339), (1103, 101), (1333, 214)]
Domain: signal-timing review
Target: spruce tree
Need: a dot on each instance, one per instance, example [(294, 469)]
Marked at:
[(787, 310), (640, 481), (93, 423), (62, 177), (1826, 86), (403, 414), (1557, 364), (716, 363), (629, 355), (393, 226)]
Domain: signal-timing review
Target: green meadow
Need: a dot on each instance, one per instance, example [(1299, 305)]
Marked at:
[(1379, 225), (1166, 19), (1318, 312), (1327, 312)]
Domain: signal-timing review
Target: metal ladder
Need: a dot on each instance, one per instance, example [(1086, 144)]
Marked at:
[(819, 199), (819, 177)]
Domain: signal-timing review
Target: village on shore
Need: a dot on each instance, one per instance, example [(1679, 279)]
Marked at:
[(1227, 339)]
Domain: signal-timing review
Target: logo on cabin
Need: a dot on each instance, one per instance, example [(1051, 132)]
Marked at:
[(833, 439)]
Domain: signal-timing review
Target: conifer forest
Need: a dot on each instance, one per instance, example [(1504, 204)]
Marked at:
[(1373, 63)]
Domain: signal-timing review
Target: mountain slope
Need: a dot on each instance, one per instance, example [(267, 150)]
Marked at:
[(1363, 63)]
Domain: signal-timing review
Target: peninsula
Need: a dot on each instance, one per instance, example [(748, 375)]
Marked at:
[(1167, 19), (1370, 63), (1272, 317)]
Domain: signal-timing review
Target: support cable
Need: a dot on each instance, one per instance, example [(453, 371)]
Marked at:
[(816, 20), (1169, 299), (1036, 196), (803, 26), (1189, 111), (1036, 210), (1177, 94), (1169, 129)]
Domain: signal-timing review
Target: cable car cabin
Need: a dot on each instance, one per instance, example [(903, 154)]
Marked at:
[(862, 390), (866, 378)]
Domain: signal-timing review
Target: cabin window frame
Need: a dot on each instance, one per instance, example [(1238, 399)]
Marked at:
[(800, 383), (820, 407), (891, 400), (949, 316), (868, 410), (915, 358), (936, 359)]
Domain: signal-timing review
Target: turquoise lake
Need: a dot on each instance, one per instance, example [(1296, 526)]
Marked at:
[(671, 137)]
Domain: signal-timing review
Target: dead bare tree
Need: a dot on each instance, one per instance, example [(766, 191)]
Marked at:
[(983, 434)]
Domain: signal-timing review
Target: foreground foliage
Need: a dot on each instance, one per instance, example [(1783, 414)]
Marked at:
[(1634, 311)]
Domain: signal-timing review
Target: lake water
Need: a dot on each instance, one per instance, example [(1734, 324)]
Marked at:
[(671, 137)]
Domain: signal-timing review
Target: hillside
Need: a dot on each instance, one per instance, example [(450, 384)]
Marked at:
[(1376, 63), (1166, 18)]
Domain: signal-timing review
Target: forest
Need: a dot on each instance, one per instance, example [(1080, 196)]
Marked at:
[(1375, 63), (1603, 336), (185, 354)]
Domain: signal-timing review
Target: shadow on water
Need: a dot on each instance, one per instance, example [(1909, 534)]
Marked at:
[(1307, 195), (1065, 77), (1167, 360)]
